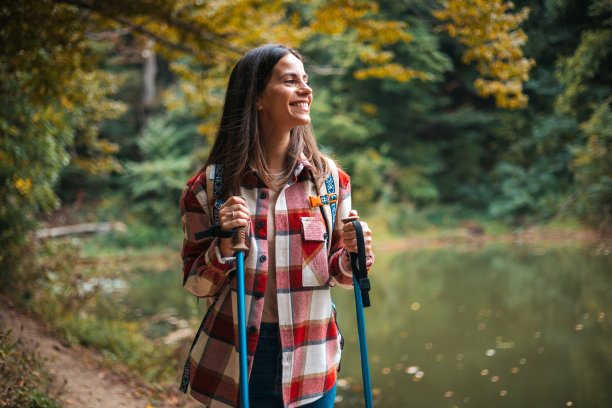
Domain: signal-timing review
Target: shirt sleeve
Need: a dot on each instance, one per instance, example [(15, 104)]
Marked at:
[(205, 271), (339, 259)]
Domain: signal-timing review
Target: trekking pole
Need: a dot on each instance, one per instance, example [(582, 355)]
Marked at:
[(239, 247), (361, 286)]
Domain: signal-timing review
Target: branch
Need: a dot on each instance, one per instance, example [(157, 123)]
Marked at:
[(326, 71), (100, 9), (215, 39)]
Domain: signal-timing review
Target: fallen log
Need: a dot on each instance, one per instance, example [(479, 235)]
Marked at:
[(90, 227)]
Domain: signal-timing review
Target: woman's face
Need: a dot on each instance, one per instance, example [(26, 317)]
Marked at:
[(285, 102)]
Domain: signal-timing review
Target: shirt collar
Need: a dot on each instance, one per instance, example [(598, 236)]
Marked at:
[(303, 164)]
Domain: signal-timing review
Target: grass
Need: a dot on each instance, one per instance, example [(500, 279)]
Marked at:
[(24, 384), (92, 318)]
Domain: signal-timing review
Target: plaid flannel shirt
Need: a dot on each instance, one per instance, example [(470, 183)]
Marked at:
[(310, 340)]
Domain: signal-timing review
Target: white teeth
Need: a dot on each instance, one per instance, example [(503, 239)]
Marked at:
[(302, 105)]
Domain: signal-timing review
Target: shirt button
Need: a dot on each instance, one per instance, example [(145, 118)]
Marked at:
[(260, 224), (262, 259), (325, 235), (262, 195)]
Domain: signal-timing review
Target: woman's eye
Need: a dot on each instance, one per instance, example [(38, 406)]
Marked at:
[(291, 81)]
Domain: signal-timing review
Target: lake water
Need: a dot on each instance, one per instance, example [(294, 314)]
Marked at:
[(502, 326)]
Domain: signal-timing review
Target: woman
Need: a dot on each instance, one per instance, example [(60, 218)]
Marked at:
[(267, 153)]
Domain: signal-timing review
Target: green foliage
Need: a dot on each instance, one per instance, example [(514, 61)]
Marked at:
[(52, 101), (586, 77), (592, 166), (170, 147), (74, 298), (24, 384), (581, 73)]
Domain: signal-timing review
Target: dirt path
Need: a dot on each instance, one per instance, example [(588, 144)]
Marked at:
[(79, 380)]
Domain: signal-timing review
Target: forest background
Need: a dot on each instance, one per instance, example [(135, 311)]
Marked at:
[(466, 111)]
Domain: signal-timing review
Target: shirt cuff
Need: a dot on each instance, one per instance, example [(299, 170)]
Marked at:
[(218, 260)]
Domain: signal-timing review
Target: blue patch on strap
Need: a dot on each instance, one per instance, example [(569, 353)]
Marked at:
[(329, 185)]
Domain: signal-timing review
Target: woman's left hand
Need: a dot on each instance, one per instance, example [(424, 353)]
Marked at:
[(349, 236)]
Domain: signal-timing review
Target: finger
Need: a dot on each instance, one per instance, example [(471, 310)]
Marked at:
[(229, 224), (349, 235), (348, 227), (352, 248), (235, 211), (234, 200)]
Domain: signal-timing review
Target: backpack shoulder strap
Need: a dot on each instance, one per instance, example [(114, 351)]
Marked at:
[(210, 175), (330, 186), (214, 189)]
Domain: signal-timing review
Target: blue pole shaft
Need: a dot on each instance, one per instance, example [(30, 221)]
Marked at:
[(363, 347), (242, 344)]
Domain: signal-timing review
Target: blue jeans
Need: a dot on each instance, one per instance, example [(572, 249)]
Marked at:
[(265, 383)]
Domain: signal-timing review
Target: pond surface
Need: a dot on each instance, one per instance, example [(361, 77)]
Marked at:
[(503, 326)]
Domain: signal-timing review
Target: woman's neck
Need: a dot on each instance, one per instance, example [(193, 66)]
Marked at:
[(275, 149)]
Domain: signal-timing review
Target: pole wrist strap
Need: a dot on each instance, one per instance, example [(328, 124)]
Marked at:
[(359, 266)]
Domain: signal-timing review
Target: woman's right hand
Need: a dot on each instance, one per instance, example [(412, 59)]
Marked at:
[(234, 213)]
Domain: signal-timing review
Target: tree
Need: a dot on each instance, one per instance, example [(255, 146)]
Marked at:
[(55, 93), (55, 58), (494, 41)]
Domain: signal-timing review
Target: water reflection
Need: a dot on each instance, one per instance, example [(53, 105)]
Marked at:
[(504, 326)]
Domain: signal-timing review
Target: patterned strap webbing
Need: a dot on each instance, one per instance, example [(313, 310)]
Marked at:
[(215, 229), (217, 192), (331, 189)]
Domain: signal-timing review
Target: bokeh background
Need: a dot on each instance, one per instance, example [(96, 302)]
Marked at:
[(478, 137)]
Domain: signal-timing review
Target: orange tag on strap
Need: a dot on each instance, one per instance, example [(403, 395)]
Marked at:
[(323, 199)]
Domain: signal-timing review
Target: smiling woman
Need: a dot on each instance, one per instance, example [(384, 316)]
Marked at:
[(262, 171), (285, 103)]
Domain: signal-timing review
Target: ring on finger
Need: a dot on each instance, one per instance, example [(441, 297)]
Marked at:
[(233, 215)]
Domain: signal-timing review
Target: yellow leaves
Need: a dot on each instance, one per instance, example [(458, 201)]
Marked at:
[(342, 16), (370, 56), (99, 165), (66, 103), (507, 94), (5, 159), (24, 186), (383, 32), (397, 72), (369, 109), (335, 17), (494, 42)]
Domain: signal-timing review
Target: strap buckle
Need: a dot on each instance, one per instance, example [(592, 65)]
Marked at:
[(323, 199)]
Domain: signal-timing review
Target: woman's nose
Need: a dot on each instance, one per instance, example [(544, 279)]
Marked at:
[(305, 88)]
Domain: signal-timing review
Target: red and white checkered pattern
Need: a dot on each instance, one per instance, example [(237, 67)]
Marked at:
[(310, 339)]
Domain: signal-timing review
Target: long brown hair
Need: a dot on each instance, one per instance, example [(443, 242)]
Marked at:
[(238, 141)]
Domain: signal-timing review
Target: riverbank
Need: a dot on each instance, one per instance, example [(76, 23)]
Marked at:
[(79, 375), (468, 238)]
